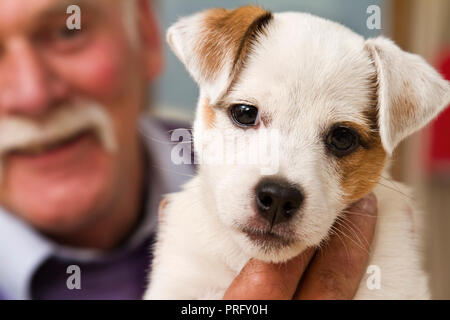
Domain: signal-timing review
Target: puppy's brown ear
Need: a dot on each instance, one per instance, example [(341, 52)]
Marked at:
[(214, 44), (410, 92)]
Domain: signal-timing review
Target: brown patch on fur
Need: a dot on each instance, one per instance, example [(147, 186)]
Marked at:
[(361, 170), (229, 34), (209, 114), (402, 110), (372, 112)]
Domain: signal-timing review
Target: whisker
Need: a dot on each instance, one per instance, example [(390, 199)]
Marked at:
[(354, 241), (358, 214), (337, 233), (169, 142), (396, 190), (354, 228), (173, 171)]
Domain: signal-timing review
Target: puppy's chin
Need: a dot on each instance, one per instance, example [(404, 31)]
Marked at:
[(268, 247), (283, 241)]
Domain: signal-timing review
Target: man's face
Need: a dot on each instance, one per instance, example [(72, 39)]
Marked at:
[(63, 178)]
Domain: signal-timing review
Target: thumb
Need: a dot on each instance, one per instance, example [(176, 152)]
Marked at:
[(269, 281)]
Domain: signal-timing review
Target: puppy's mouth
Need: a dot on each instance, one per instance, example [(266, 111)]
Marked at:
[(268, 237)]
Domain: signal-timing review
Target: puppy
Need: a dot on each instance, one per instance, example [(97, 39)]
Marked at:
[(339, 104)]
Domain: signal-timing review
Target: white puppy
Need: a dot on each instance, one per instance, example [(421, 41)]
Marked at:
[(339, 104)]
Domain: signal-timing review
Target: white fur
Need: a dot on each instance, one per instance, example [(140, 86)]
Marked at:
[(427, 91), (306, 73)]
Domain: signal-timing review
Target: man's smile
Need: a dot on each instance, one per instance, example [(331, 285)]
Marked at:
[(54, 152)]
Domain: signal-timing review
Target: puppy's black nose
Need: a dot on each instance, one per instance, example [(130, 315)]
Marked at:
[(277, 200)]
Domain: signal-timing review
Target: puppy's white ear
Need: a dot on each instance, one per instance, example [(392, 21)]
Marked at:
[(410, 92), (213, 44)]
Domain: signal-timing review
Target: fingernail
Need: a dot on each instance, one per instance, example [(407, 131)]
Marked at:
[(368, 204)]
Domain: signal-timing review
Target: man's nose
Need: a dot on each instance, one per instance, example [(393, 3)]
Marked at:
[(26, 86)]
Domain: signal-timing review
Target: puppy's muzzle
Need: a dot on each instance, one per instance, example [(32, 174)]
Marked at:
[(277, 200)]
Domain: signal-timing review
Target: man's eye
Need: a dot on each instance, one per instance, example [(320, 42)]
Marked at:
[(342, 141), (66, 33), (62, 39), (244, 115)]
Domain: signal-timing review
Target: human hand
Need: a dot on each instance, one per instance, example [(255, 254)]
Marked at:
[(331, 272)]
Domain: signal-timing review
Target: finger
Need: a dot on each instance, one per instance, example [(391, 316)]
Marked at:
[(162, 206), (336, 270), (268, 281)]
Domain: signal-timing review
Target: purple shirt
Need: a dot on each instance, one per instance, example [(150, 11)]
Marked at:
[(34, 267), (123, 277)]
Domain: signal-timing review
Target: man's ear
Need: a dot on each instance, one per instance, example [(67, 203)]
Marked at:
[(410, 92), (213, 44)]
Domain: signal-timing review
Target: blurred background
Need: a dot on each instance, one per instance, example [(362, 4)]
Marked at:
[(423, 161)]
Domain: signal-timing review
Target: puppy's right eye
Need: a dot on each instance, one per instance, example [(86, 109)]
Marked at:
[(244, 115)]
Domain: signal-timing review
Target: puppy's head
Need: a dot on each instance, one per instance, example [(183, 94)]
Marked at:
[(339, 105)]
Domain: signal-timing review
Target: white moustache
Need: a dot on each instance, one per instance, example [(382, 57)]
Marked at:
[(18, 133)]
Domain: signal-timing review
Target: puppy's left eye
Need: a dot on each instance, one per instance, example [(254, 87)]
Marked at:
[(244, 115), (342, 141)]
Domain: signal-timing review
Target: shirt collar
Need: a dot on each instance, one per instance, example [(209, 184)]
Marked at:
[(23, 250)]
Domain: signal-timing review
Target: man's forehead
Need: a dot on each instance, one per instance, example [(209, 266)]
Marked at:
[(19, 14)]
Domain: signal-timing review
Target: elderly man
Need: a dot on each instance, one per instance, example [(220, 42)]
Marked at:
[(82, 170)]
